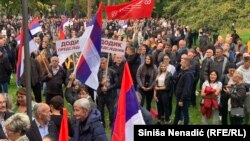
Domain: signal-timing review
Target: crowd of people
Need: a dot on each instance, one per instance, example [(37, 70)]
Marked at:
[(167, 61)]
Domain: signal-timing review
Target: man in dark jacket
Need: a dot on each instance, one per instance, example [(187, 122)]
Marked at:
[(5, 71), (87, 124), (36, 74), (107, 90), (183, 91), (54, 79), (134, 62), (42, 126)]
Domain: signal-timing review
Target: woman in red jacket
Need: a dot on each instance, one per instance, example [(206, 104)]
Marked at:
[(210, 94)]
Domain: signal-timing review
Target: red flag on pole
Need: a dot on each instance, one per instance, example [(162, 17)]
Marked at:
[(131, 10), (64, 133)]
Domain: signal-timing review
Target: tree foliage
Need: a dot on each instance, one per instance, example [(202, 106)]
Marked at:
[(216, 14)]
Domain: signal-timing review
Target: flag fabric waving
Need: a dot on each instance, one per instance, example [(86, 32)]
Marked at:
[(35, 26), (64, 133), (131, 10), (18, 38), (32, 47), (61, 28), (128, 110), (89, 62)]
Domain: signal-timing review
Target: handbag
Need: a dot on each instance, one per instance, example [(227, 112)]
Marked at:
[(237, 112)]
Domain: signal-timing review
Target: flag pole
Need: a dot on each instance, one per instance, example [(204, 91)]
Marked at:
[(47, 69), (27, 57), (106, 72)]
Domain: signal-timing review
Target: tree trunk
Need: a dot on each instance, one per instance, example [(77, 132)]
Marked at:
[(77, 9), (89, 15)]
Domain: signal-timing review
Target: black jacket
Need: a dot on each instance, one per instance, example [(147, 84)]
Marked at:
[(54, 84), (184, 85), (5, 69), (34, 135)]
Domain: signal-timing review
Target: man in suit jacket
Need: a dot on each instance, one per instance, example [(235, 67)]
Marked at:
[(4, 115), (41, 125)]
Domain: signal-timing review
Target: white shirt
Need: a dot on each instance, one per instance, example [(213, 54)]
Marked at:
[(43, 130), (161, 80), (55, 70)]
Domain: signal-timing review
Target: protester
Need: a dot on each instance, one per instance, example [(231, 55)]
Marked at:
[(210, 94), (21, 103), (17, 126), (237, 95), (87, 124), (41, 125)]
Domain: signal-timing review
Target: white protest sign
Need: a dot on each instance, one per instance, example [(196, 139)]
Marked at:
[(68, 46), (113, 46)]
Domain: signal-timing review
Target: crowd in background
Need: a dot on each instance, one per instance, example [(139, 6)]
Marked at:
[(167, 61)]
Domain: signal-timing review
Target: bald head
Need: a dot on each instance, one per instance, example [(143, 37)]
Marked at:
[(40, 108)]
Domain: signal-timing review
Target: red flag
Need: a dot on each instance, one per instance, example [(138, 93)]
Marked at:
[(64, 133), (131, 10)]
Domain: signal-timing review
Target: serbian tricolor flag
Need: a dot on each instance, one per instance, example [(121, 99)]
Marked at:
[(20, 57), (61, 28), (35, 26), (131, 10), (18, 39), (89, 62), (64, 133), (128, 110)]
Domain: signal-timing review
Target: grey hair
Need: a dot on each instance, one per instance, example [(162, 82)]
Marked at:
[(38, 108), (83, 103), (18, 123), (3, 95)]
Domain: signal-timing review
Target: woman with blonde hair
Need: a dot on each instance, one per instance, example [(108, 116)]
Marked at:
[(237, 94), (162, 92)]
